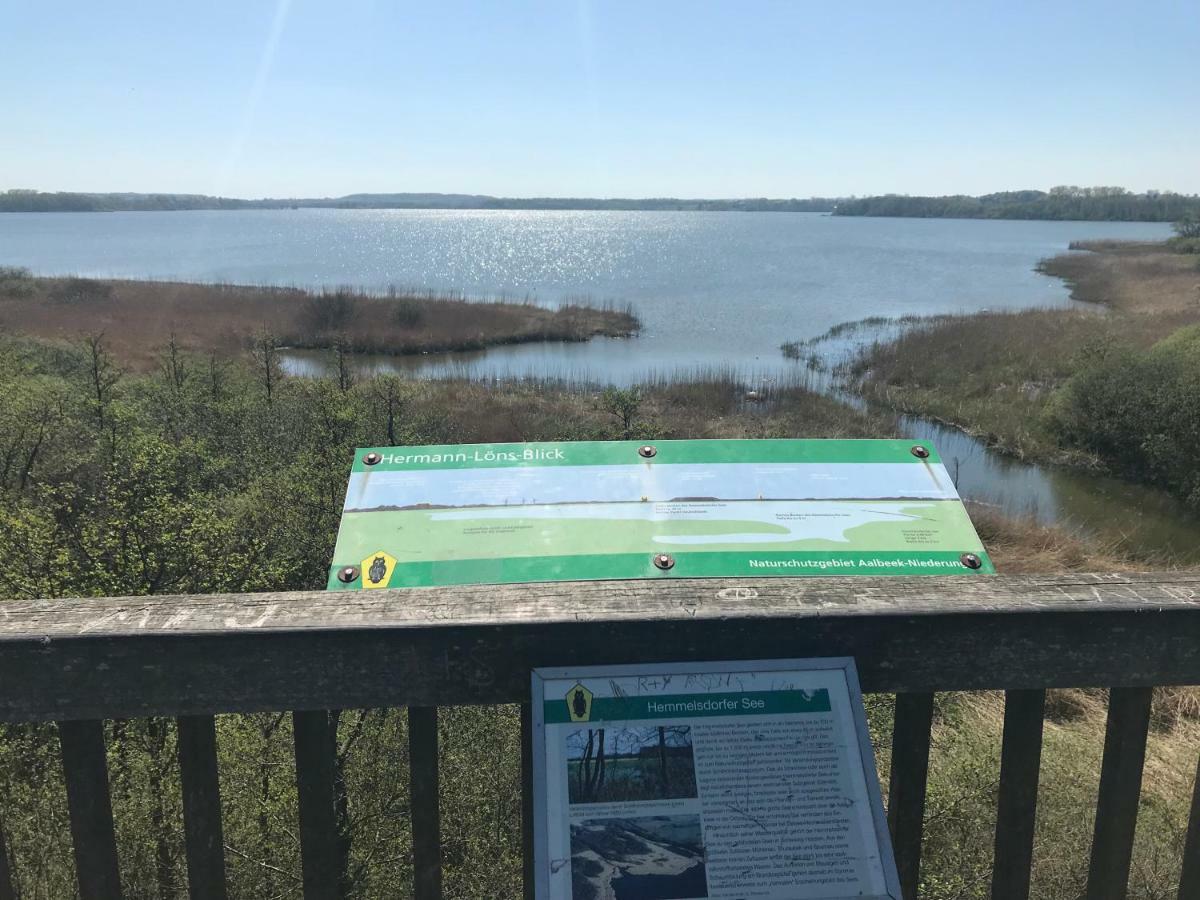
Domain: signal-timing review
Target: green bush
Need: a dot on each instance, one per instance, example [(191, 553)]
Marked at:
[(1139, 413), (16, 281)]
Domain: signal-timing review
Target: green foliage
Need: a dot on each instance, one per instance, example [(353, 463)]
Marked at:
[(1188, 226), (1063, 202), (16, 281), (1139, 412), (624, 403)]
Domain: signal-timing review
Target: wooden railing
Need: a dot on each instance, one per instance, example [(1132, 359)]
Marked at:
[(79, 662)]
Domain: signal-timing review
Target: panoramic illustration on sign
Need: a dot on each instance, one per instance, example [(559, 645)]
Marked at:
[(709, 780), (503, 513)]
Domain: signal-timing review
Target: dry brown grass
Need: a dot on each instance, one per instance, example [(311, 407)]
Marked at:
[(138, 317), (992, 374), (1129, 276)]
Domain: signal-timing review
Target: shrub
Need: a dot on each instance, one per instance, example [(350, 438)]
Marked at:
[(407, 312), (16, 281), (332, 311), (80, 290), (1139, 413)]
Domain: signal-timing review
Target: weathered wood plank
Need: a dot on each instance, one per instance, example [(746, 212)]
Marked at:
[(85, 768), (906, 789), (1120, 788), (315, 748), (425, 802), (1020, 765), (527, 869), (203, 834), (7, 889), (568, 602), (426, 647), (1189, 877)]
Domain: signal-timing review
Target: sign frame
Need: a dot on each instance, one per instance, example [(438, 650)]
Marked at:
[(844, 664)]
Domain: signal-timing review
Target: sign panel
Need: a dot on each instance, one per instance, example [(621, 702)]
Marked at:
[(707, 780), (500, 513)]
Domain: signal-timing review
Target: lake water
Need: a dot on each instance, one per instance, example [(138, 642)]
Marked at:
[(714, 290)]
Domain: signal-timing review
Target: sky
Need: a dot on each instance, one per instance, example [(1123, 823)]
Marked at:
[(598, 98)]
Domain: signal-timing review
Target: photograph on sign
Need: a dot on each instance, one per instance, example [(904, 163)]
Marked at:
[(715, 780), (503, 513)]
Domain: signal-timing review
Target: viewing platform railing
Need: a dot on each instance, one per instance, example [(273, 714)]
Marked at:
[(81, 661)]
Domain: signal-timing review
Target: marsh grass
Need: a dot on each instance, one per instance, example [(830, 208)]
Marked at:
[(137, 317)]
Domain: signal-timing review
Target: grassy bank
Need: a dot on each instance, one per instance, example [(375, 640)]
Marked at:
[(139, 316), (1012, 379), (171, 481)]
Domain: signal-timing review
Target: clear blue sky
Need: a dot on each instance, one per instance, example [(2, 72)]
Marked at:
[(583, 98)]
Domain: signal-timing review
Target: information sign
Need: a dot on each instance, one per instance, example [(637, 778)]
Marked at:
[(729, 781), (503, 513)]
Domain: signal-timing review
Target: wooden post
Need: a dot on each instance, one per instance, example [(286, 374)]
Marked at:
[(527, 872), (203, 836), (1189, 877), (85, 767), (314, 792), (1120, 789), (425, 811), (7, 890), (1016, 810), (906, 789)]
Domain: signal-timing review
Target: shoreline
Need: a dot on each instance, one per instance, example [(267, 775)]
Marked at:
[(1015, 380)]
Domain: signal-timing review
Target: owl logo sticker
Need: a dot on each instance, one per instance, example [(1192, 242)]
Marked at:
[(579, 703), (377, 569)]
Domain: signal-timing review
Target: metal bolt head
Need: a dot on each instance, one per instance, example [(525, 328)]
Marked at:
[(664, 561), (920, 452), (347, 574), (647, 451), (971, 561), (372, 459)]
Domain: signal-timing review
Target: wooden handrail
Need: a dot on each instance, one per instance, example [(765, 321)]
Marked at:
[(179, 655)]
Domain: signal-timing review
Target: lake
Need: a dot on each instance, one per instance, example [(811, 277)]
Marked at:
[(714, 290)]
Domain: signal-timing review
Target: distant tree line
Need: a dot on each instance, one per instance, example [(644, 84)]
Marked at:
[(60, 201), (1064, 203)]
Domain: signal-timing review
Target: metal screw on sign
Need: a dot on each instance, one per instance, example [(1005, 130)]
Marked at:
[(920, 452), (347, 574), (971, 561), (372, 459), (664, 561), (647, 451)]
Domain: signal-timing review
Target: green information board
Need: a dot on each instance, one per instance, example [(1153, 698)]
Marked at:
[(503, 513)]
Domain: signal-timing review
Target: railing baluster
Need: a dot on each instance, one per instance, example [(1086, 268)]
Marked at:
[(1016, 809), (1120, 788), (7, 891), (425, 811), (527, 874), (85, 768), (314, 793), (906, 788), (205, 843), (1189, 877)]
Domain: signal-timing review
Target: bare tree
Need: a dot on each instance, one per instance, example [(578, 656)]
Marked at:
[(265, 351), (103, 375), (173, 365)]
